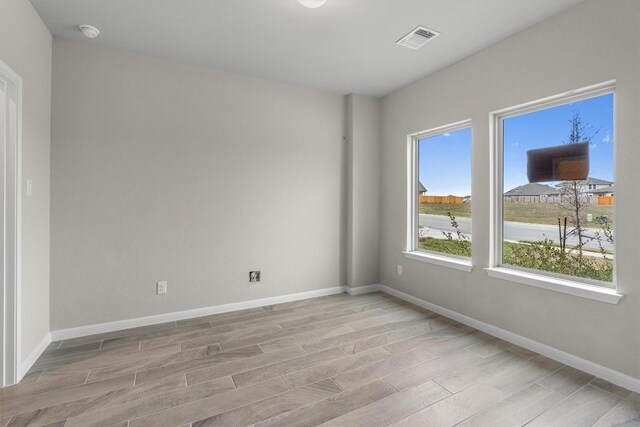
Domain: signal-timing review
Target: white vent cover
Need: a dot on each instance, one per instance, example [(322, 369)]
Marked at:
[(418, 37)]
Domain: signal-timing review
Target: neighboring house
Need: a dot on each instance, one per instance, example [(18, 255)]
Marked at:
[(593, 188), (592, 184), (532, 193), (604, 191), (421, 190), (541, 193), (596, 184), (603, 196), (466, 199)]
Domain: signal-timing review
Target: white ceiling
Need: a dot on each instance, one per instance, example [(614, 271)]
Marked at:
[(346, 46)]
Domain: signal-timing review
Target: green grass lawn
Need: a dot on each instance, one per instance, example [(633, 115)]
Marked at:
[(596, 271), (442, 246), (451, 247), (533, 213)]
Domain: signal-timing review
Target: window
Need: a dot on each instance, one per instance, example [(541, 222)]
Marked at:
[(552, 157), (440, 192)]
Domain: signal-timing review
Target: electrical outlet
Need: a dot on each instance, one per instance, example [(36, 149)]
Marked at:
[(254, 276), (161, 288), (399, 270)]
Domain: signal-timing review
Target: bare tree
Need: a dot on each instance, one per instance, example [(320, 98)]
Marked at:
[(575, 199), (573, 193)]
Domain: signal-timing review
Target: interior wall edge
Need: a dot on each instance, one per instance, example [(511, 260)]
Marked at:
[(35, 354)]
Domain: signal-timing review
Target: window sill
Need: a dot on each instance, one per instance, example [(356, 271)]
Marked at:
[(582, 290), (441, 260)]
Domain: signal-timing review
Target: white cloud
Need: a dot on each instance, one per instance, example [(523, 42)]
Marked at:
[(447, 134), (515, 144), (593, 146), (607, 138)]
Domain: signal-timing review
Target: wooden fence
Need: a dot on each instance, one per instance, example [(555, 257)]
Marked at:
[(605, 200), (448, 200), (456, 200)]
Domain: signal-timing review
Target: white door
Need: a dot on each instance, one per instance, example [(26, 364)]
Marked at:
[(10, 135), (3, 139)]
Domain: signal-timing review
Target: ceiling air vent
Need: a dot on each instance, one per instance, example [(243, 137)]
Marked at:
[(418, 37)]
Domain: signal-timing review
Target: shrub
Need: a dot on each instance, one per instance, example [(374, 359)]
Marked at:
[(546, 256), (460, 244), (462, 241)]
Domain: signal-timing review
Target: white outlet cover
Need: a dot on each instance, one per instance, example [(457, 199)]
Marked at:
[(399, 270), (161, 288)]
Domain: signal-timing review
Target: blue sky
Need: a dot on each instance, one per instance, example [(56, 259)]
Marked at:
[(550, 127), (445, 163), (445, 160)]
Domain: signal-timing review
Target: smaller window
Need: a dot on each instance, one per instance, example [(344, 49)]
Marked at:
[(440, 191)]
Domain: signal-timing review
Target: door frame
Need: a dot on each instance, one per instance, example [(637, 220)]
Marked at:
[(10, 228)]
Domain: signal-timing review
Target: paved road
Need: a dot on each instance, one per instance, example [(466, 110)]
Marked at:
[(514, 231)]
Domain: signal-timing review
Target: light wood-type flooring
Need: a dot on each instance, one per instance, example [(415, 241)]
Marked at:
[(340, 360)]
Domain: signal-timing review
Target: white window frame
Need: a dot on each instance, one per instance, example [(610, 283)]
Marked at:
[(412, 252), (569, 285)]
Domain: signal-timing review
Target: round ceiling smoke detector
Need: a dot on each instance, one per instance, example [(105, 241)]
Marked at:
[(312, 4), (89, 31)]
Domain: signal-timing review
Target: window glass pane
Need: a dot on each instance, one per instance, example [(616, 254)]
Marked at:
[(559, 190), (444, 193)]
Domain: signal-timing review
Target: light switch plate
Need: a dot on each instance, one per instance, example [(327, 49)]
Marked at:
[(161, 288)]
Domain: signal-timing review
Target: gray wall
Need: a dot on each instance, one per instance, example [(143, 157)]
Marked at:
[(363, 224), (25, 46), (166, 171), (555, 56)]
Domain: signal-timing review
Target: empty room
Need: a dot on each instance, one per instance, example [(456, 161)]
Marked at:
[(320, 212)]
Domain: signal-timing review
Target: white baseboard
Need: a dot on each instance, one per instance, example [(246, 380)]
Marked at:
[(82, 331), (26, 364), (608, 374), (358, 290)]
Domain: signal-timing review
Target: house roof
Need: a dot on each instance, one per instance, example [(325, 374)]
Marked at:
[(608, 189), (588, 181), (597, 181), (421, 188), (532, 189), (592, 181)]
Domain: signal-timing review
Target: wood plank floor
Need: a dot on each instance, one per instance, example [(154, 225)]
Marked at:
[(340, 360)]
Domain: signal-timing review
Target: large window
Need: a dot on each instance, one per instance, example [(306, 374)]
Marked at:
[(556, 213), (442, 191)]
